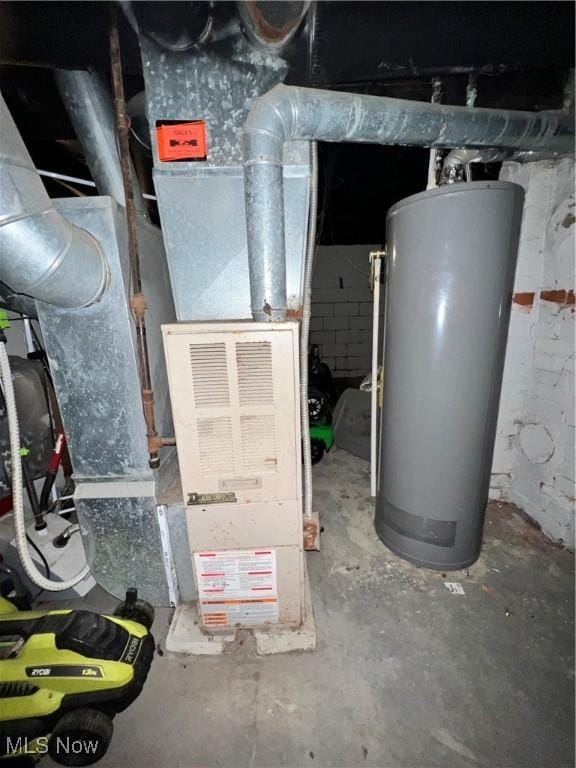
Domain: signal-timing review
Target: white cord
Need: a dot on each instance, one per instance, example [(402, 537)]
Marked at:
[(76, 180), (17, 494), (305, 330)]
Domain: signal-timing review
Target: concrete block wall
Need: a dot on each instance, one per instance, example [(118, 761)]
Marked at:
[(534, 454), (341, 321)]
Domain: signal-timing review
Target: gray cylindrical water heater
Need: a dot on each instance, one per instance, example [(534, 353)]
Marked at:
[(451, 258)]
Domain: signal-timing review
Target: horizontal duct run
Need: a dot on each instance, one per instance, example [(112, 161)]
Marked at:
[(288, 113)]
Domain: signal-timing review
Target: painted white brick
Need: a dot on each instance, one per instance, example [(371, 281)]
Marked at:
[(366, 309), (343, 364), (548, 361), (322, 310), (346, 310), (508, 429), (535, 467), (360, 350), (340, 295), (317, 323), (505, 456), (566, 486), (336, 323), (334, 349), (346, 265), (323, 337), (361, 324), (521, 322), (499, 480), (511, 402), (361, 362), (352, 337)]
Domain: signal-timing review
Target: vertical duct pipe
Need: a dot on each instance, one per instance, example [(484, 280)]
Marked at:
[(89, 106), (288, 113), (41, 254)]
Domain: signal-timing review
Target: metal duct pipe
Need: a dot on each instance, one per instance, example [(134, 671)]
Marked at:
[(270, 25), (41, 254), (89, 106), (173, 26), (459, 157), (288, 112)]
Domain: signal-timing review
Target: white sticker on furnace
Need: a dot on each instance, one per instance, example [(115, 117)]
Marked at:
[(237, 587)]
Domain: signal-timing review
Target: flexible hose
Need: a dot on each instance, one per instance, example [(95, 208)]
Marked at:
[(17, 495), (305, 329)]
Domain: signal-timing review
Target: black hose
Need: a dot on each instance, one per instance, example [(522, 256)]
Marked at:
[(40, 523), (40, 555)]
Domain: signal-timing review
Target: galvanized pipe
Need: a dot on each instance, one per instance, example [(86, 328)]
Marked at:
[(137, 300), (462, 157), (89, 106), (41, 254), (288, 112), (270, 25)]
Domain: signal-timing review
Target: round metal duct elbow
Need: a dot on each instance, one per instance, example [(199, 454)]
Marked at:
[(41, 253), (46, 257)]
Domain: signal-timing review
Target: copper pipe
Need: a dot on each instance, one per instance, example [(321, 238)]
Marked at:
[(138, 300)]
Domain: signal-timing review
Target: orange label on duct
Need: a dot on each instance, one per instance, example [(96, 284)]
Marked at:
[(181, 141)]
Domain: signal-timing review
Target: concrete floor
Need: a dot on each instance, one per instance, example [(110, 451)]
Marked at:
[(405, 674)]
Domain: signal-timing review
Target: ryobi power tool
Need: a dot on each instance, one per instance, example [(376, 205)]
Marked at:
[(64, 675)]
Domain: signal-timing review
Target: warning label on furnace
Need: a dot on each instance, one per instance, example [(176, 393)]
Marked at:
[(237, 588)]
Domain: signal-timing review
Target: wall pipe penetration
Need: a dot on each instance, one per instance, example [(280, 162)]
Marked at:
[(41, 253), (288, 113)]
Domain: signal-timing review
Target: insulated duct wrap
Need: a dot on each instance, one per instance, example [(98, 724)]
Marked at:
[(451, 259)]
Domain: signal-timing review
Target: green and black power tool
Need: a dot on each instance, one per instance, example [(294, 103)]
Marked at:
[(319, 424), (321, 397), (64, 675)]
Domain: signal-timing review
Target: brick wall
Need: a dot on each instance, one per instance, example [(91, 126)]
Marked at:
[(341, 321), (534, 456)]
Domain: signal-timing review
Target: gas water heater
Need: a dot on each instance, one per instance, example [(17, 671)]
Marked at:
[(451, 258)]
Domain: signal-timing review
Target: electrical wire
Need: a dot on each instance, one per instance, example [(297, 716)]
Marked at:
[(40, 554), (75, 180)]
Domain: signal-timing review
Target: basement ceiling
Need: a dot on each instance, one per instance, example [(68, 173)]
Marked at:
[(520, 54)]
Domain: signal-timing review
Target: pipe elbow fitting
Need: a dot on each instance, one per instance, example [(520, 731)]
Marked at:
[(269, 124), (42, 254), (458, 157), (46, 257)]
